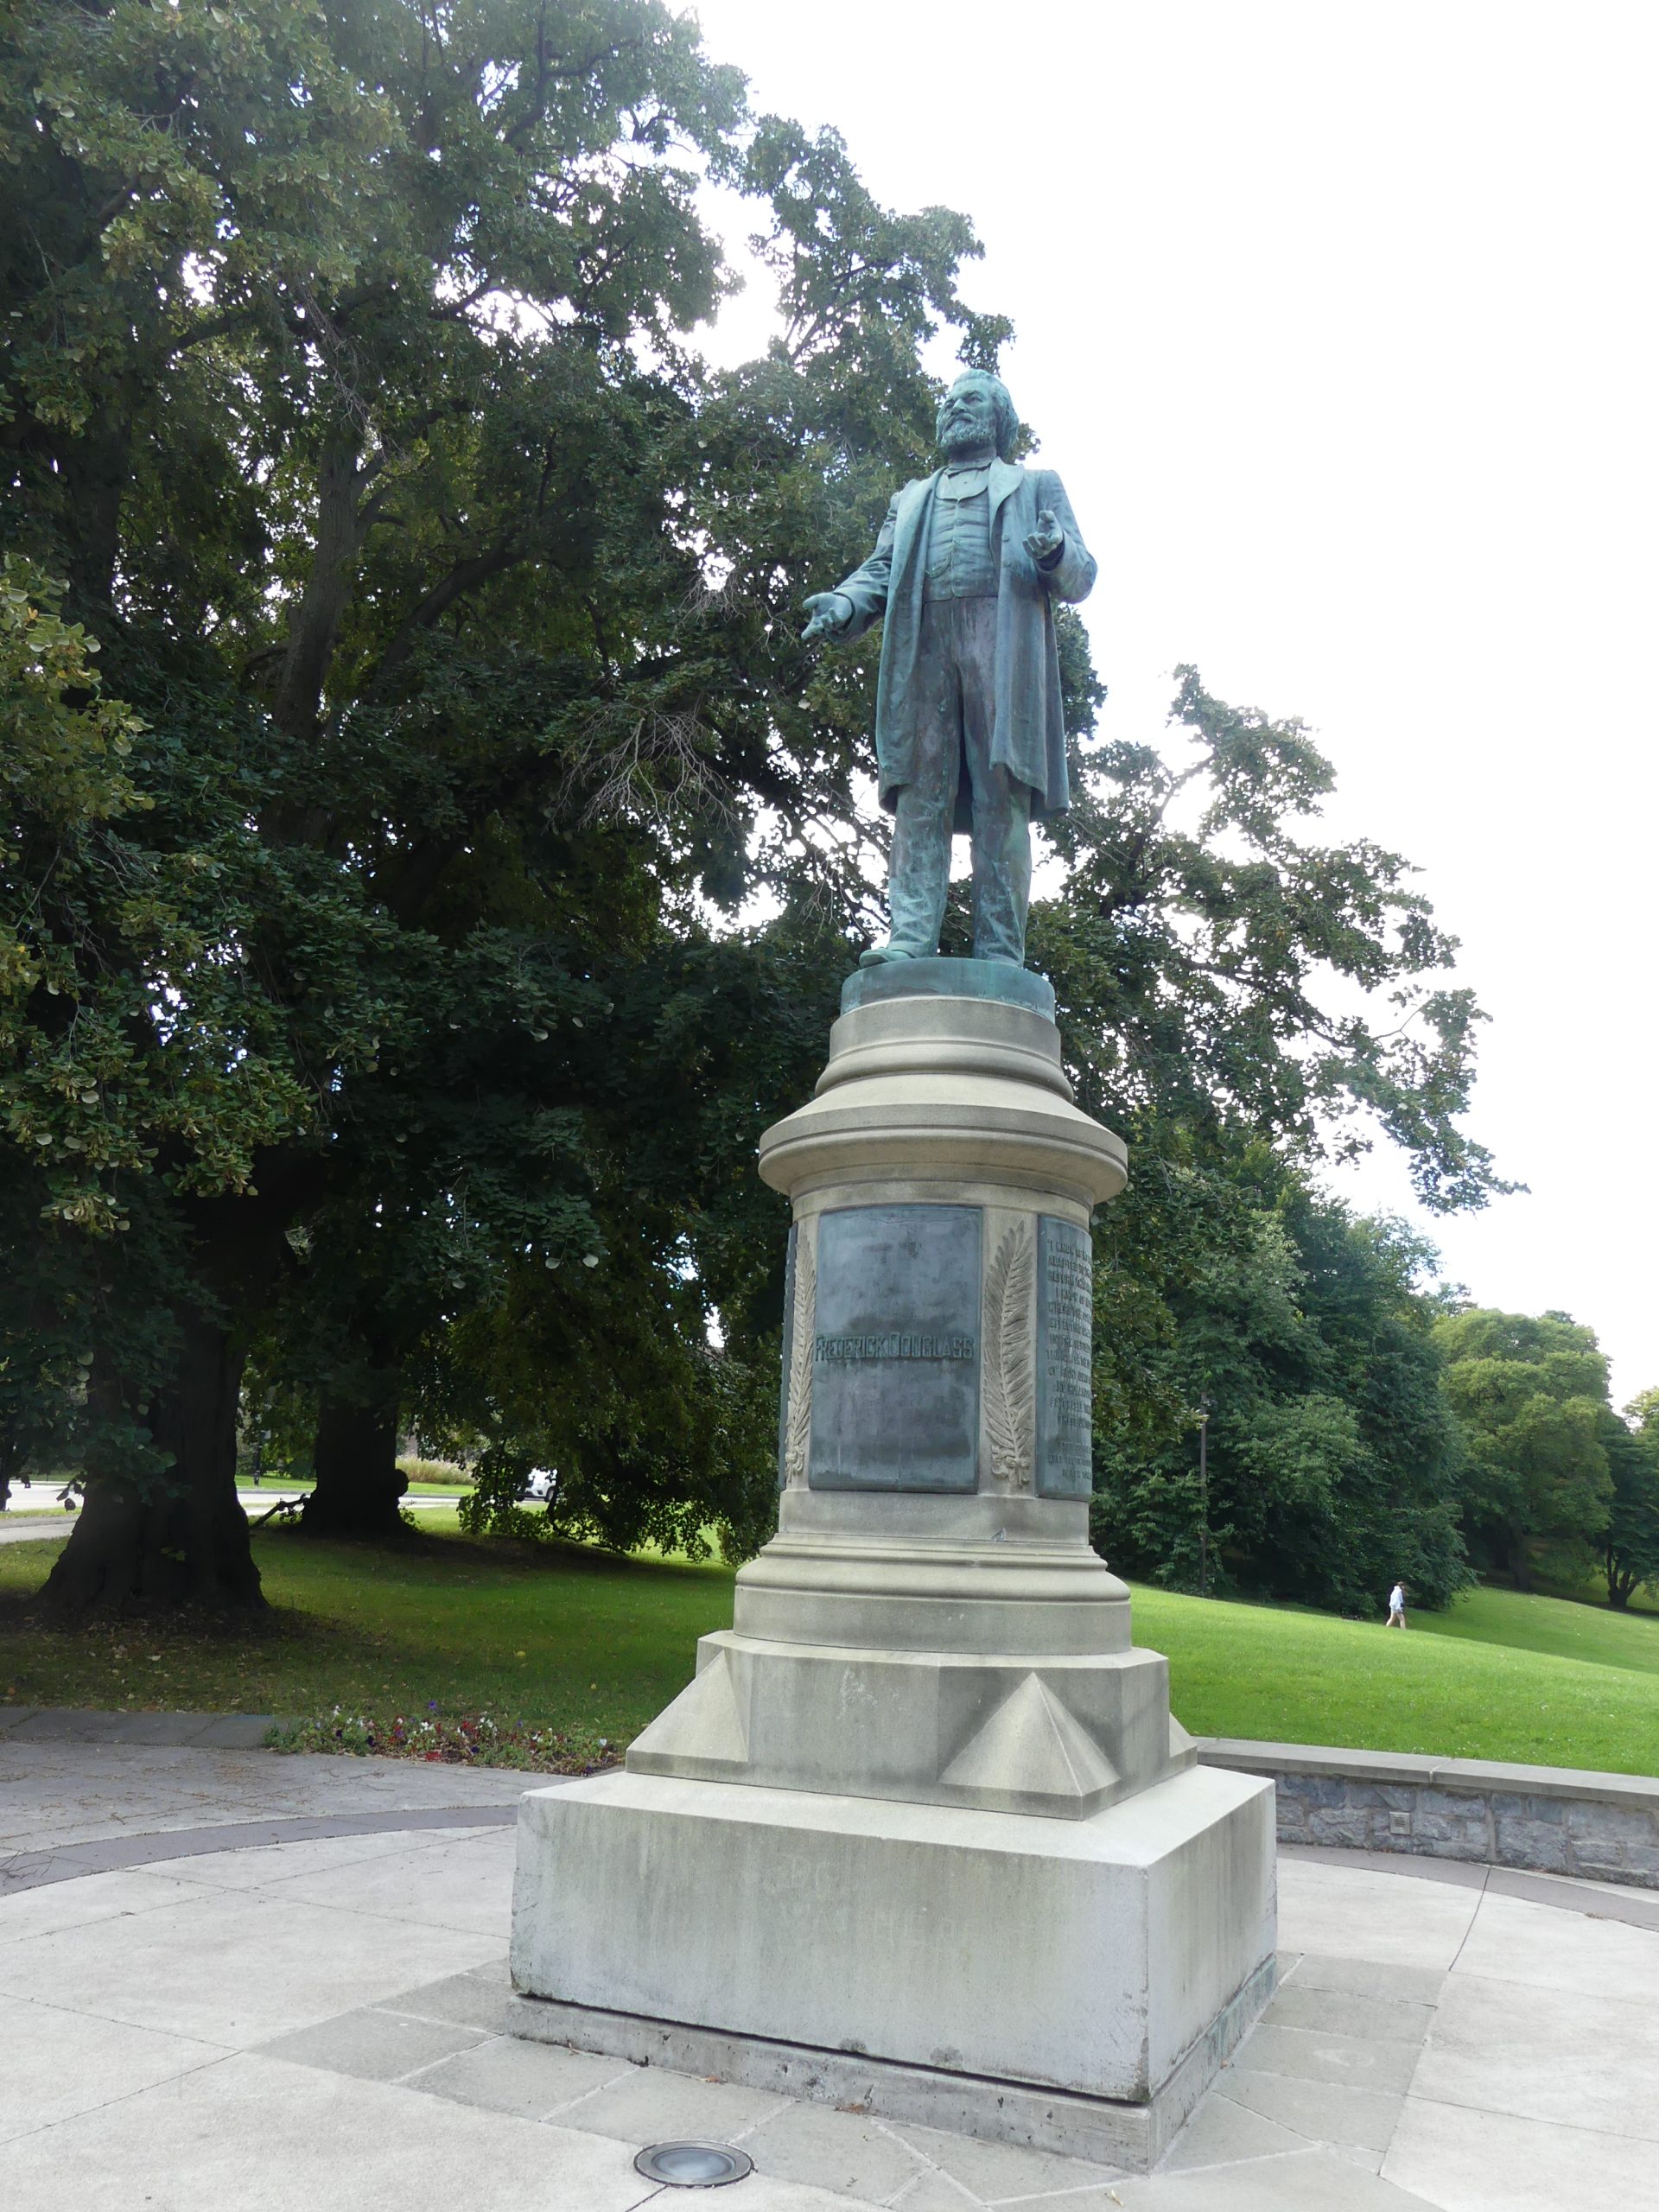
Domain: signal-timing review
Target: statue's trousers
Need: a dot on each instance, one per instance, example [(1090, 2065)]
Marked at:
[(953, 699)]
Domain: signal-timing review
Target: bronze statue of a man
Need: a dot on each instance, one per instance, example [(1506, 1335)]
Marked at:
[(969, 735)]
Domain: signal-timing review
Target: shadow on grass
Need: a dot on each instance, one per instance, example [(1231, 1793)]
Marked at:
[(452, 1550)]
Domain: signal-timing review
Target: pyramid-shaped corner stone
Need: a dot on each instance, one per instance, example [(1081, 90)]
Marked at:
[(1033, 1752), (702, 1731)]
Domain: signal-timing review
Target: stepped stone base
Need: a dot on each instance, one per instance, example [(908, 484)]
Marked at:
[(921, 1835), (1064, 1736), (977, 1969)]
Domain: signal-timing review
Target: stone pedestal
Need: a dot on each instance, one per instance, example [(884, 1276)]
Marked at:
[(921, 1833)]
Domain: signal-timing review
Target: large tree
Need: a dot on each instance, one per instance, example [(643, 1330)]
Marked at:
[(1530, 1392), (1248, 1003), (1630, 1548), (389, 997), (345, 384)]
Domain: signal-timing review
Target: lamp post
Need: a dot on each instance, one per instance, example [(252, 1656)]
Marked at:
[(1204, 1497)]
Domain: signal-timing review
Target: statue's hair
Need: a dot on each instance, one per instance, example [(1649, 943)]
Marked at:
[(1007, 421)]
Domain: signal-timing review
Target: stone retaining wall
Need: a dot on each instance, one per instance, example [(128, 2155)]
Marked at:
[(1545, 1819)]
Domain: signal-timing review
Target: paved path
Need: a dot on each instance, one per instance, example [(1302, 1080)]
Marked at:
[(38, 1525), (37, 1529), (319, 2019), (55, 1794)]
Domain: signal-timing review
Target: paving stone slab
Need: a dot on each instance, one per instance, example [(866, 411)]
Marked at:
[(1488, 2162), (1330, 2112), (373, 2044), (275, 1866), (62, 1796), (839, 2151), (1517, 1941), (936, 2192), (476, 1998), (57, 2065), (1344, 2011), (1449, 1873), (1222, 2133), (255, 2134), (504, 2074), (1310, 2055), (232, 1968), (1307, 2181), (442, 1883), (996, 2173), (1349, 1913), (1588, 2061), (49, 1909), (1367, 1978), (651, 2105), (32, 1870)]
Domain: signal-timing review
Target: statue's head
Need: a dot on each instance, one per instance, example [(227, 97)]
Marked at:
[(978, 410)]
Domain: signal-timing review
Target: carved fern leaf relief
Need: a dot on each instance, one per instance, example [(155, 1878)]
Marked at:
[(1010, 1367), (798, 1426)]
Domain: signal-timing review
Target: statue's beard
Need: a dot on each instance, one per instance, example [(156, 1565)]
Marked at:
[(961, 441)]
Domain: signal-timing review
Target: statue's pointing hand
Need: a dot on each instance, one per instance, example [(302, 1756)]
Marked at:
[(830, 613), (1044, 542)]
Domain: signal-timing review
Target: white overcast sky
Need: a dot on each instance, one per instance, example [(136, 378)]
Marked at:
[(1339, 321)]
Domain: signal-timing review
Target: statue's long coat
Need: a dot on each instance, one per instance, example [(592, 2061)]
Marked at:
[(1028, 735)]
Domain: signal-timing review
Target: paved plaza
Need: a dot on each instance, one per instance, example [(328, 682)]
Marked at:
[(234, 1980)]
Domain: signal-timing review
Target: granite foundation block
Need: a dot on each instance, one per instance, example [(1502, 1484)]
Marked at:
[(978, 1970)]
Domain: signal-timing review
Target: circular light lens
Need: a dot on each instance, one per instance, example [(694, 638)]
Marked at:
[(693, 2166)]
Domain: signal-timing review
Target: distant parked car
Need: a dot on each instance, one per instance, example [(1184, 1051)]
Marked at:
[(540, 1483)]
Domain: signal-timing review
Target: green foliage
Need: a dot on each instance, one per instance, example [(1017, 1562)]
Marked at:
[(1530, 1393), (1197, 939), (1196, 949), (345, 382), (1630, 1551), (385, 982), (1331, 1460)]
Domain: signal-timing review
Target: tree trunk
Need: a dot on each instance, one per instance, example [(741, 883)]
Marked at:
[(180, 1538), (1520, 1560), (95, 469), (358, 1482), (314, 623)]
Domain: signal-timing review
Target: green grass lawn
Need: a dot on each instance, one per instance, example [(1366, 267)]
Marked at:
[(1565, 1628), (585, 1643), (1487, 1681), (571, 1639)]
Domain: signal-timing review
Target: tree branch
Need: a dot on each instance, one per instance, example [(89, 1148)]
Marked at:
[(466, 576)]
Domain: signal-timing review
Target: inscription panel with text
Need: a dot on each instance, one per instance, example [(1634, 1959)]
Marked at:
[(895, 1349)]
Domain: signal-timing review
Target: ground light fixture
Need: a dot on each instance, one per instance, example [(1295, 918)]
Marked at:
[(693, 2166)]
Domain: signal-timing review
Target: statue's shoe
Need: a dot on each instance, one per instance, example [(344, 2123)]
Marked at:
[(879, 955)]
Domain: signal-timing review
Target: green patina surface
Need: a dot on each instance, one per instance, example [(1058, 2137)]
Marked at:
[(943, 978)]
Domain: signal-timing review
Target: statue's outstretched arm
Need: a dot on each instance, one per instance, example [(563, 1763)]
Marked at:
[(859, 600)]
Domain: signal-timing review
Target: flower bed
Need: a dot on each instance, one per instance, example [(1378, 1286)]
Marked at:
[(475, 1739)]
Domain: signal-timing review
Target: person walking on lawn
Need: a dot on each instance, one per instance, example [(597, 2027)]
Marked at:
[(1397, 1606)]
